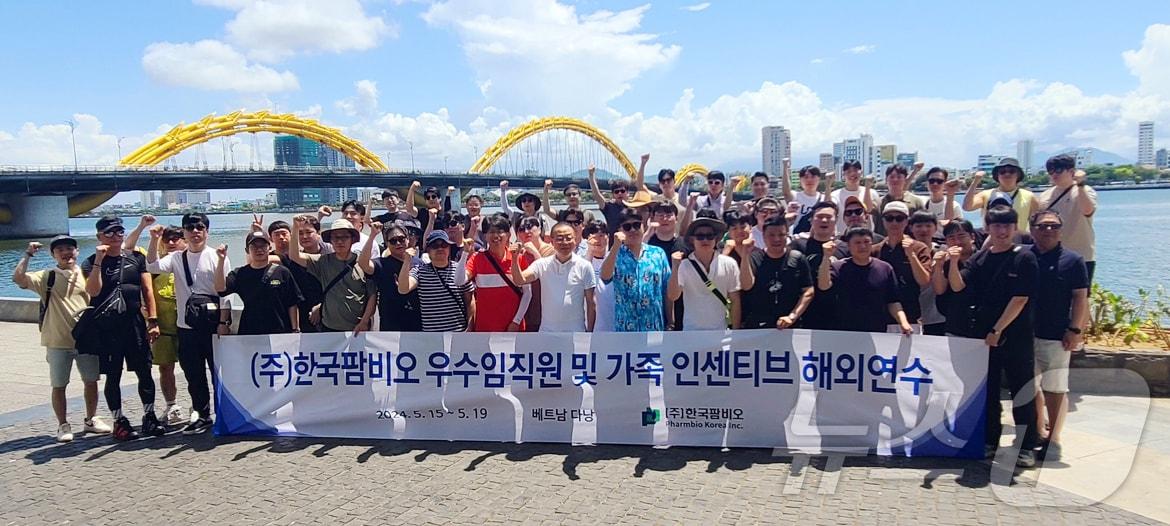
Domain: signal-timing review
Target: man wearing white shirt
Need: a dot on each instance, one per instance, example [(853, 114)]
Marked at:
[(566, 284), (194, 271)]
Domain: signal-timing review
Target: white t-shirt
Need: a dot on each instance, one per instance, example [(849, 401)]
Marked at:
[(716, 204), (562, 292), (202, 265), (939, 208), (840, 195), (704, 310), (603, 297)]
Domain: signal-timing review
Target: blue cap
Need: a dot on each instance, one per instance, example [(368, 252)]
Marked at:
[(437, 235)]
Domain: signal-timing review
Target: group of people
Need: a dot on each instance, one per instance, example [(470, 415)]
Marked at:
[(815, 257)]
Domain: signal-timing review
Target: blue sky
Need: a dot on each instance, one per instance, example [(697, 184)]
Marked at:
[(685, 82)]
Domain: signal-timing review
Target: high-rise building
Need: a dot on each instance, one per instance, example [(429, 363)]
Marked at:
[(777, 146), (987, 162), (1145, 143), (859, 149), (149, 199), (828, 163), (1162, 158), (884, 156), (907, 160), (1025, 150), (291, 151), (170, 197), (194, 197), (1084, 157)]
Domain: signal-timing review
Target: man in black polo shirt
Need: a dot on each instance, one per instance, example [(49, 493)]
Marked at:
[(1061, 296), (906, 255), (820, 313), (1001, 278), (777, 287)]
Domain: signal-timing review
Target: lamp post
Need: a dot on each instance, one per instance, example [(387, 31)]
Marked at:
[(232, 151), (444, 164), (73, 140), (120, 139), (387, 161), (411, 144)]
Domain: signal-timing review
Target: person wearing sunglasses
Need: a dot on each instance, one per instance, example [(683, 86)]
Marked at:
[(597, 237), (494, 285), (896, 181), (908, 257), (1062, 303), (1076, 202), (639, 273), (445, 296), (577, 219), (572, 194), (717, 198), (612, 207), (863, 288), (707, 308), (195, 346), (124, 338), (942, 203), (396, 312), (1008, 176)]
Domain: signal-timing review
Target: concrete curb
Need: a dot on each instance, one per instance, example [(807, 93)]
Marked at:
[(25, 310), (1153, 366)]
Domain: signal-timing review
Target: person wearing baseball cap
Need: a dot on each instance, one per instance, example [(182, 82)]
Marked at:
[(444, 293), (1008, 176), (61, 290), (122, 337), (269, 291), (897, 180), (349, 297), (907, 257)]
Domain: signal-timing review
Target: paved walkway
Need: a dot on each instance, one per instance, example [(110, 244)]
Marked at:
[(210, 480)]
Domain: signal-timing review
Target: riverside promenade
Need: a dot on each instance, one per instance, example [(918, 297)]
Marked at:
[(1117, 461)]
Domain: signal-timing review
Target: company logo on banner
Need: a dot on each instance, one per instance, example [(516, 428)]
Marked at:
[(808, 391)]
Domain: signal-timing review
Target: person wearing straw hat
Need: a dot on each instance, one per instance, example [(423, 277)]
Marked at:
[(349, 298), (708, 280)]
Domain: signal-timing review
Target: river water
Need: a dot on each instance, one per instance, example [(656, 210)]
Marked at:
[(1131, 245)]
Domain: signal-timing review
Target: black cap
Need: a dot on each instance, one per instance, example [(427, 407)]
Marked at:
[(109, 223), (256, 236), (62, 240)]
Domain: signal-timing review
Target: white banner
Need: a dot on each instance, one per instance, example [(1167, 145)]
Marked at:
[(807, 391)]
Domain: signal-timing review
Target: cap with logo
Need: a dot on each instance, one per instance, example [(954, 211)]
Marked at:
[(62, 240), (896, 206), (254, 237), (109, 224)]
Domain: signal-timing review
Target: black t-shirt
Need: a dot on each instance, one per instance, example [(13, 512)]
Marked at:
[(994, 279), (611, 211), (132, 266), (309, 285), (396, 312), (908, 289), (266, 303), (670, 247), (863, 294), (958, 307), (780, 282), (821, 312), (1060, 272)]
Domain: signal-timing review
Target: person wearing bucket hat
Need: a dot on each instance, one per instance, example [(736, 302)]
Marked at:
[(1008, 176), (61, 290), (349, 298), (527, 205), (707, 281), (270, 293)]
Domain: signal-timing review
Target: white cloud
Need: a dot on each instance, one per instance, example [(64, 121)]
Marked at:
[(696, 8), (541, 56), (364, 102), (1151, 63), (275, 30), (817, 61), (212, 65), (863, 49), (51, 144)]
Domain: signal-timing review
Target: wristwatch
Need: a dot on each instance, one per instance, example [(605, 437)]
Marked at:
[(221, 322), (1074, 330)]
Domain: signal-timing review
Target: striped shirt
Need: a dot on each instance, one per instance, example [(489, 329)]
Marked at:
[(440, 301)]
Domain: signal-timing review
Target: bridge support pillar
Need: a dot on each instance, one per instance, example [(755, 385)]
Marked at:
[(36, 216)]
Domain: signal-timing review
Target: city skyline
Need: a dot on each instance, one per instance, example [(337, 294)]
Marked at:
[(451, 77)]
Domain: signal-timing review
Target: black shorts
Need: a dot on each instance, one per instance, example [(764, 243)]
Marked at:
[(123, 340)]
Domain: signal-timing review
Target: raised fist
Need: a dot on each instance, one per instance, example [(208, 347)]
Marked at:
[(829, 247), (745, 246), (952, 186), (300, 221), (450, 190), (33, 247), (415, 185), (147, 220), (221, 251), (100, 252), (940, 255), (619, 237), (547, 184), (156, 231), (978, 177), (504, 185), (653, 225), (325, 211), (907, 244), (375, 229), (592, 168), (954, 253), (918, 165), (645, 158), (676, 257)]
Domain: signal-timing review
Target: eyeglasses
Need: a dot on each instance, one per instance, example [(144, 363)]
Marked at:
[(1009, 171), (714, 181), (397, 240), (619, 191), (438, 245), (631, 227), (563, 239), (707, 236), (577, 222), (195, 228), (428, 197), (115, 233), (894, 218), (1047, 226), (936, 181), (854, 212), (572, 194), (768, 211)]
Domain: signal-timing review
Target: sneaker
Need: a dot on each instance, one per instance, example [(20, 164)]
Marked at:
[(1049, 451), (151, 426), (198, 426), (1026, 459), (64, 433), (123, 430), (97, 426), (175, 415)]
